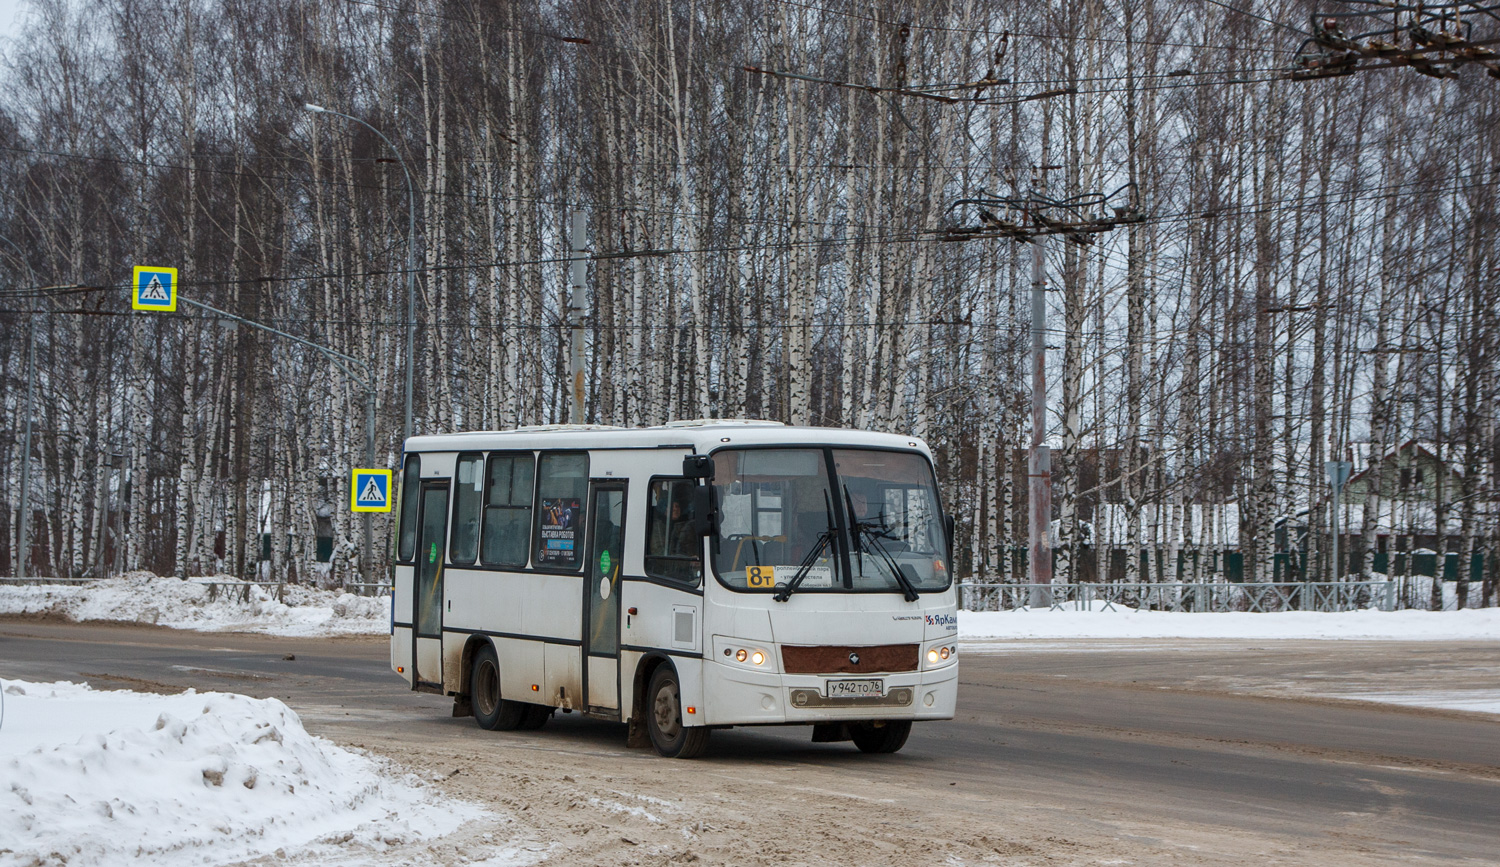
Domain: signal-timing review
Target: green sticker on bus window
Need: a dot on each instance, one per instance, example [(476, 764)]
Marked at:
[(604, 562), (432, 554)]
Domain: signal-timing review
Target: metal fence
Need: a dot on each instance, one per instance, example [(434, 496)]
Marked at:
[(1294, 596), (241, 589)]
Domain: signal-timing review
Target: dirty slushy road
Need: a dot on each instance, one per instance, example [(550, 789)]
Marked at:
[(1186, 752)]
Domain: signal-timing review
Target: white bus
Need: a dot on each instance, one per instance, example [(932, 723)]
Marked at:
[(681, 578)]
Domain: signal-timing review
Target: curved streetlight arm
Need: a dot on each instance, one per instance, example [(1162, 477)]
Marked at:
[(343, 361), (411, 259)]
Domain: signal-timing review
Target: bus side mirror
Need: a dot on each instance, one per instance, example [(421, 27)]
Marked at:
[(703, 510), (952, 527), (698, 467)]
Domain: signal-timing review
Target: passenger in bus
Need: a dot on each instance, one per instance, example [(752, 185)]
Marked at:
[(681, 532), (674, 547)]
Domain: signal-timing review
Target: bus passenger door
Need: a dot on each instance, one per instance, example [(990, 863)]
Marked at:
[(427, 608), (601, 593)]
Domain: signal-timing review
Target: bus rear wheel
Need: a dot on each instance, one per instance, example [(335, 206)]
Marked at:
[(664, 718), (490, 710), (880, 736)]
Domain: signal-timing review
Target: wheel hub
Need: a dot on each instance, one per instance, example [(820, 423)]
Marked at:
[(486, 696), (665, 710)]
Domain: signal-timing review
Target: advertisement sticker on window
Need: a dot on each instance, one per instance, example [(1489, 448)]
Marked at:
[(560, 530)]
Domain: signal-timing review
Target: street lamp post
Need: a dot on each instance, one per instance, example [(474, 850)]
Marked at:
[(411, 258), (23, 535)]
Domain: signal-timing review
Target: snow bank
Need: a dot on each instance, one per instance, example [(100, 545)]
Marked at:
[(1469, 625), (92, 778), (140, 597)]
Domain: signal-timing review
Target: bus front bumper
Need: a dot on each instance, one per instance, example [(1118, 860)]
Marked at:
[(735, 695)]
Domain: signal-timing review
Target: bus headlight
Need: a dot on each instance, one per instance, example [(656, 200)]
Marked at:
[(938, 656), (750, 656)]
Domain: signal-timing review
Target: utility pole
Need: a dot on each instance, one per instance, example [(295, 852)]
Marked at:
[(1039, 457), (1338, 475), (1078, 219), (577, 275)]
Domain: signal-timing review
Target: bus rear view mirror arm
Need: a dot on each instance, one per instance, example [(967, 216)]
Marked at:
[(703, 510)]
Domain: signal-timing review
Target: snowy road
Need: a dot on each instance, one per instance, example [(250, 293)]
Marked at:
[(1159, 751)]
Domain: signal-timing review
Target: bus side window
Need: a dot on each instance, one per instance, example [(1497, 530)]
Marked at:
[(507, 510), (562, 484), (673, 550), (463, 539), (411, 486)]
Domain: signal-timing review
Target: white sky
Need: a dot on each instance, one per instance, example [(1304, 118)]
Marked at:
[(11, 13)]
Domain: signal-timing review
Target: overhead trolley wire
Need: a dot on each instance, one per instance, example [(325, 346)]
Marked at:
[(1032, 34), (914, 236)]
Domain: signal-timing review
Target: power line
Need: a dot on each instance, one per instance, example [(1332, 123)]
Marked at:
[(980, 31)]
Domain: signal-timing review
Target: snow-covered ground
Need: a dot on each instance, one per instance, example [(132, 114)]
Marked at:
[(304, 611), (1118, 621), (141, 597), (101, 778)]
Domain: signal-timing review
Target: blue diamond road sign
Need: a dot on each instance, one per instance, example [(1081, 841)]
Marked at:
[(154, 288), (370, 491)]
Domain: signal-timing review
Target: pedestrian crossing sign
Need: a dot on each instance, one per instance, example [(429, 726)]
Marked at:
[(154, 289), (371, 491)]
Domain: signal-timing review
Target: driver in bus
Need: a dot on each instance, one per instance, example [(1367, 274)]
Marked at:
[(861, 505), (681, 532)]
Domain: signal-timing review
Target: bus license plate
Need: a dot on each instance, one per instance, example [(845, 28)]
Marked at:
[(855, 689)]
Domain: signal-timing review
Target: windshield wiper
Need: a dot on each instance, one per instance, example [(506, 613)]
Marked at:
[(867, 530), (824, 538)]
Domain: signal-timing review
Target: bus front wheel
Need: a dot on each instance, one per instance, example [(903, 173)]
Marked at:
[(664, 718), (490, 710), (881, 736)]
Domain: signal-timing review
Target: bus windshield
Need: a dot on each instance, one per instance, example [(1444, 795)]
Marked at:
[(867, 518)]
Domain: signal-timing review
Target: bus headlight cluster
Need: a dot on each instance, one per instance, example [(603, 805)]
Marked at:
[(754, 657), (940, 654)]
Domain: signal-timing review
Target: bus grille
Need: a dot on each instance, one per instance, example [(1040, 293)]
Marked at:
[(837, 659)]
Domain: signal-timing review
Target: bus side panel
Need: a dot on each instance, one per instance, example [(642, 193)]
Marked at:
[(690, 690), (401, 652), (453, 662), (520, 667), (630, 663), (401, 636), (402, 596), (474, 600), (537, 605), (564, 674), (655, 622), (429, 655)]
